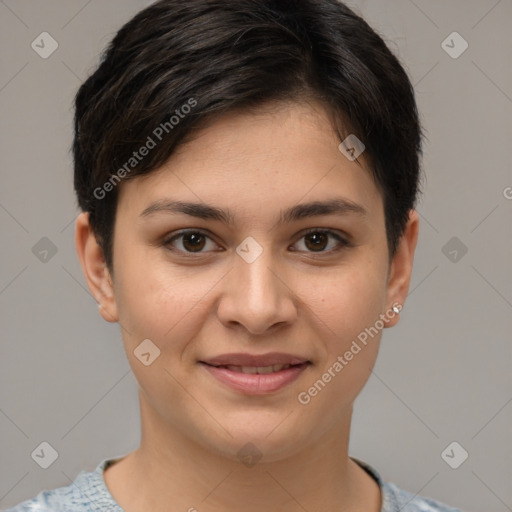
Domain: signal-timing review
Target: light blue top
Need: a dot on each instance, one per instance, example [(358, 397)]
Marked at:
[(88, 493)]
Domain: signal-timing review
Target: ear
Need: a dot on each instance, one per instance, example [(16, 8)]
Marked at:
[(401, 267), (95, 269)]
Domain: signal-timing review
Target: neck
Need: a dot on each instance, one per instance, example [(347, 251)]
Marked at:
[(171, 468)]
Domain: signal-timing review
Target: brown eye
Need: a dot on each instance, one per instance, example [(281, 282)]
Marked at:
[(316, 241), (195, 242), (191, 241)]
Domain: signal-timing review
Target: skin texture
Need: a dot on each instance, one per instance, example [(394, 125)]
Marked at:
[(296, 298)]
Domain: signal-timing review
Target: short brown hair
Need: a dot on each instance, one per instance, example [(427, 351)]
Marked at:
[(219, 56)]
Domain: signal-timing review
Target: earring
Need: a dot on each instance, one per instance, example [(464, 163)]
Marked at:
[(397, 309)]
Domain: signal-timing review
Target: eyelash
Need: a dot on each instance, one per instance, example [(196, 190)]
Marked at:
[(344, 243)]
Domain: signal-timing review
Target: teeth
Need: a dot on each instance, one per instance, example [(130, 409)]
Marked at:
[(266, 369), (258, 369)]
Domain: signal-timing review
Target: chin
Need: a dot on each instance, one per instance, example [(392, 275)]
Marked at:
[(260, 442)]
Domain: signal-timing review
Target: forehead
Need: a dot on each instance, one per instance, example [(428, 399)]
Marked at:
[(281, 154)]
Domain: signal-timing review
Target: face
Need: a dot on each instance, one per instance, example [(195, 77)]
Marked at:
[(258, 273)]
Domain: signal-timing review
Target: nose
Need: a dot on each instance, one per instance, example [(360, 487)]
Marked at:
[(257, 295)]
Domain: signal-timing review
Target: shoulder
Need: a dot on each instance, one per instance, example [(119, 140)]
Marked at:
[(397, 499), (87, 493), (55, 500)]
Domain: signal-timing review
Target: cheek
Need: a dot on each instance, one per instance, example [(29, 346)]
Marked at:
[(347, 300), (162, 302), (155, 309), (347, 308)]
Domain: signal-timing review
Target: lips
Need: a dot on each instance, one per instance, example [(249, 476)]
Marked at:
[(256, 361), (256, 374), (256, 369)]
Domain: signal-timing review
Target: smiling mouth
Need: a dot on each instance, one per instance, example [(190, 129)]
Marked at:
[(256, 369), (256, 374), (256, 380)]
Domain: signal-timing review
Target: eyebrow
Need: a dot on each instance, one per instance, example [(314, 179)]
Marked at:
[(337, 206)]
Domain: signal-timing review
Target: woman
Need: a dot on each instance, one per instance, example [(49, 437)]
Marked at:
[(247, 173)]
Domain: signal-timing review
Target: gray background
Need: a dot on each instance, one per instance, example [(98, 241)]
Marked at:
[(443, 373)]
